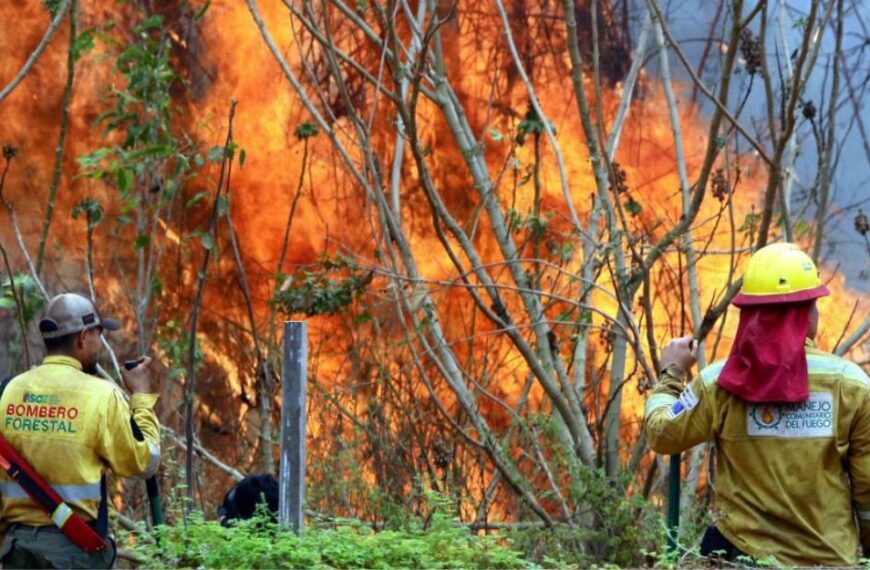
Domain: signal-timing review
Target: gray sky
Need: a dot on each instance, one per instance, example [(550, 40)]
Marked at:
[(690, 21)]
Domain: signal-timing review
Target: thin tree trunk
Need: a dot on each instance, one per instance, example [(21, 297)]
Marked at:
[(190, 385), (61, 139)]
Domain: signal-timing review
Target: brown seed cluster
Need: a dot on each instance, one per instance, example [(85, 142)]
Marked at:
[(719, 185), (862, 224), (441, 455), (750, 49), (618, 178), (808, 109), (9, 152)]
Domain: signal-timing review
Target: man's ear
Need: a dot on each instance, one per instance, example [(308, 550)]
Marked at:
[(81, 338)]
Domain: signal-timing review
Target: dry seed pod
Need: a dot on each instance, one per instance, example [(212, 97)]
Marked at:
[(862, 224), (751, 51)]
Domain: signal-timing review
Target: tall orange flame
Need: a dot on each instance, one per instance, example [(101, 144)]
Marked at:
[(228, 59)]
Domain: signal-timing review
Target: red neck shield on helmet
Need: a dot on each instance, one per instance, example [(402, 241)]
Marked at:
[(768, 359)]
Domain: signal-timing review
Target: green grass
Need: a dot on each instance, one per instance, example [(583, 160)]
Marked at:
[(260, 544)]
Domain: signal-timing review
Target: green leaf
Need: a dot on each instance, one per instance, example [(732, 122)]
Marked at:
[(207, 241), (91, 161), (151, 151), (202, 11), (361, 318), (125, 179), (198, 160), (801, 228), (91, 208), (216, 154), (223, 205), (533, 125), (749, 222), (198, 197), (564, 316), (52, 6), (633, 207), (130, 206), (230, 150), (153, 21), (495, 135), (305, 130), (142, 241), (242, 157), (84, 43), (7, 303)]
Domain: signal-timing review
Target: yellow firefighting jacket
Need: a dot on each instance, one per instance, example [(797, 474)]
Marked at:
[(792, 481), (69, 426)]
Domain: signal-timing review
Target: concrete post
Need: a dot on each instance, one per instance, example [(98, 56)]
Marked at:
[(293, 420)]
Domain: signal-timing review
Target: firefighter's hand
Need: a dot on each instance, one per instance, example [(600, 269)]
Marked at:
[(680, 351), (138, 380)]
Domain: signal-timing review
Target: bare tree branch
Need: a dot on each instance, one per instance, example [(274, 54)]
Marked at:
[(31, 60)]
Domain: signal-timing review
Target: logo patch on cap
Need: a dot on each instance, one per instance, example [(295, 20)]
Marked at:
[(89, 319)]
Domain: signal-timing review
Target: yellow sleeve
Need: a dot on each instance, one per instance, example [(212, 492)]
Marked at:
[(127, 454), (677, 419), (859, 470)]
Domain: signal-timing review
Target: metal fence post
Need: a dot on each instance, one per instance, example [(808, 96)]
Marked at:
[(293, 420), (674, 503)]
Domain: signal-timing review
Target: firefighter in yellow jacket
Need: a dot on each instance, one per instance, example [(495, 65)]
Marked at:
[(791, 424), (70, 425)]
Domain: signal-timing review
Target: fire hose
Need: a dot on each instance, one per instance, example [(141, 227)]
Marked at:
[(674, 490), (674, 502), (152, 489)]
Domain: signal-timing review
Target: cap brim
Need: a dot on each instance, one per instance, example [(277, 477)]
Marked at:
[(110, 324), (744, 300)]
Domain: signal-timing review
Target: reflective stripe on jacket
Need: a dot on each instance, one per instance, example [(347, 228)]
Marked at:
[(783, 472), (68, 425)]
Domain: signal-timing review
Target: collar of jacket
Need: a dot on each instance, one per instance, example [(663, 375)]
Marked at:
[(62, 359)]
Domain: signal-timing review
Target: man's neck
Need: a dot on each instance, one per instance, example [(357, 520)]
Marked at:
[(63, 353), (92, 370)]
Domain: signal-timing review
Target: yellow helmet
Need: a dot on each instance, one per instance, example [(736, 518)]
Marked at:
[(780, 273)]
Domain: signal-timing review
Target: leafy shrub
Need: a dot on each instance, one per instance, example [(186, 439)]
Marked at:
[(316, 292), (27, 292), (258, 543), (610, 528)]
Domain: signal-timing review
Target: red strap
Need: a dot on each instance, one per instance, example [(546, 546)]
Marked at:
[(69, 522)]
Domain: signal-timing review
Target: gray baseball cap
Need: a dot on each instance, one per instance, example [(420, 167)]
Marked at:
[(70, 313)]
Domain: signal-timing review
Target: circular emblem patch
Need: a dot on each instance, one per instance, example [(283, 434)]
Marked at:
[(766, 417)]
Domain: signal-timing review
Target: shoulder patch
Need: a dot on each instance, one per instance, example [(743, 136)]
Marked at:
[(684, 403)]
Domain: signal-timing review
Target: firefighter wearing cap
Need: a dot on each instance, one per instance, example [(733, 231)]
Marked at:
[(791, 424), (69, 425)]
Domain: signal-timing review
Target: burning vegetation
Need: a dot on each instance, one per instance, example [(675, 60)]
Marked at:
[(492, 216)]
